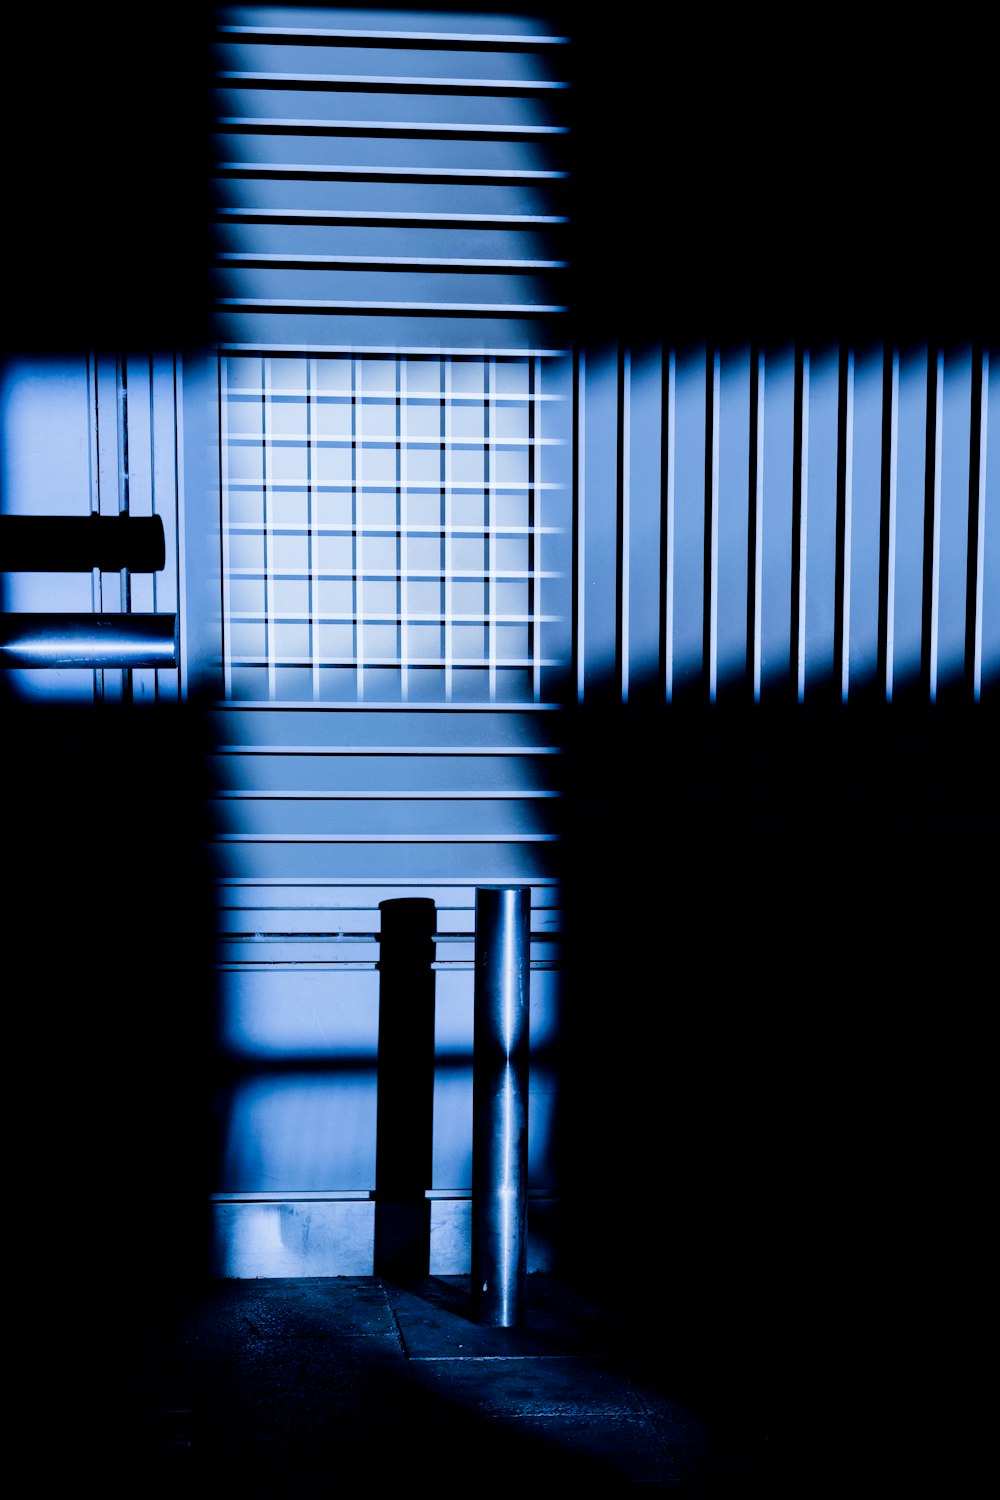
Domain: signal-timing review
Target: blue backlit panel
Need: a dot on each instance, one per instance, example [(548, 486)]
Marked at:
[(390, 529)]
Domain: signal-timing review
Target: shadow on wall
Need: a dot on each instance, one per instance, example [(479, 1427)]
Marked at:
[(779, 942), (111, 195), (107, 982)]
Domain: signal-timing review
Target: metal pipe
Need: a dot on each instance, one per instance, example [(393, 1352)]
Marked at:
[(76, 544), (88, 640), (500, 1104)]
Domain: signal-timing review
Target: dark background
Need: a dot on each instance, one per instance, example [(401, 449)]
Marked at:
[(733, 177), (780, 927)]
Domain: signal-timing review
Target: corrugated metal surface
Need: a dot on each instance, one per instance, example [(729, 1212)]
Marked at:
[(782, 524), (393, 195), (378, 170), (787, 523)]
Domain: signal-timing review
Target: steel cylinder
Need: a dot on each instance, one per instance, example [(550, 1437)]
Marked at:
[(500, 1104), (84, 640)]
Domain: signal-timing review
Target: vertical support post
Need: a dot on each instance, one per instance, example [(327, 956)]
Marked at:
[(404, 1124), (500, 1105)]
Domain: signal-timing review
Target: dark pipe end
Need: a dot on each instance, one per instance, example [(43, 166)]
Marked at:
[(76, 544)]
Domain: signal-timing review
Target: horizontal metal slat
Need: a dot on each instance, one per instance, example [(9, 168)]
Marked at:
[(386, 242), (262, 124), (271, 333), (239, 773), (400, 218), (345, 730), (384, 309), (261, 948), (356, 196), (494, 41), (397, 819), (387, 83), (322, 172), (380, 284), (480, 111), (473, 863), (374, 154), (325, 794), (263, 923), (380, 56), (337, 898), (430, 749), (451, 265), (385, 838)]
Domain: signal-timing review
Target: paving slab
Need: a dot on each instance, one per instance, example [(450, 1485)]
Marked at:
[(436, 1321), (626, 1449), (354, 1378), (300, 1360), (328, 1307), (574, 1386)]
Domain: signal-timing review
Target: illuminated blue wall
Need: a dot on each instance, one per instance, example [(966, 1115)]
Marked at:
[(792, 521)]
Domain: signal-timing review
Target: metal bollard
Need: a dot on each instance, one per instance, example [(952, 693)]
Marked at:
[(500, 1105)]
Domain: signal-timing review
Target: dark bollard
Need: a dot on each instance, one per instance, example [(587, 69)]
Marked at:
[(500, 1105), (404, 1125)]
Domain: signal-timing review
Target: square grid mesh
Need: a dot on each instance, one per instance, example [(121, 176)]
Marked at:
[(382, 529)]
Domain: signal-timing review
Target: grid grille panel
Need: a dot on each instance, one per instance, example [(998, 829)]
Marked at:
[(382, 528)]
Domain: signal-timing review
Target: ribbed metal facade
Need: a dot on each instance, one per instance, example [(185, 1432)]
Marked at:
[(788, 524), (447, 520), (397, 519), (783, 524)]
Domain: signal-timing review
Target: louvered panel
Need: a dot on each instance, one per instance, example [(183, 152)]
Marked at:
[(321, 130), (709, 523), (381, 192), (766, 523)]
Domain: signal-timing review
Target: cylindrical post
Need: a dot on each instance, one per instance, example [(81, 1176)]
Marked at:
[(405, 1120), (76, 544), (86, 640), (500, 1105)]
